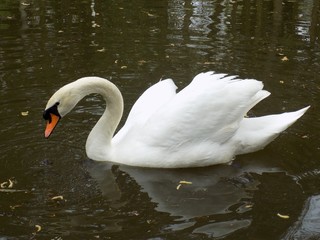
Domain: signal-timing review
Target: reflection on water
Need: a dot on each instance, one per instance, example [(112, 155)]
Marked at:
[(308, 225), (45, 44), (218, 201)]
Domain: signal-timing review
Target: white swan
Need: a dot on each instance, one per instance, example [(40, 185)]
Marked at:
[(202, 125)]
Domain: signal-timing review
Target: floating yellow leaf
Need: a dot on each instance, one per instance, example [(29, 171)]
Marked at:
[(94, 25), (4, 184), (283, 216), (10, 184), (149, 14), (101, 50), (7, 184), (185, 182), (38, 228), (284, 59), (25, 113), (57, 198)]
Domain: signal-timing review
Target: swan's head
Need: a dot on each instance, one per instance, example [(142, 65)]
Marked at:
[(61, 103)]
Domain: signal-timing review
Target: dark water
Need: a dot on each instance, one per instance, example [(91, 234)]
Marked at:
[(55, 187)]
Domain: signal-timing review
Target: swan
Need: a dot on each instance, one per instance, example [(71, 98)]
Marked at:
[(204, 124)]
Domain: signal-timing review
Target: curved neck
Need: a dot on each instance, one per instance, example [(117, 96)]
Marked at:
[(98, 145)]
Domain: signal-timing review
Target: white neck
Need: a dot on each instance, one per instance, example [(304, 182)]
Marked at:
[(98, 145)]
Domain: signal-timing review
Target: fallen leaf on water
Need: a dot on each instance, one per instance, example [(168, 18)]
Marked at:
[(7, 184), (10, 184), (185, 182), (4, 184), (25, 113), (94, 25), (284, 59), (124, 67), (283, 216), (149, 14), (57, 197), (38, 228), (101, 50)]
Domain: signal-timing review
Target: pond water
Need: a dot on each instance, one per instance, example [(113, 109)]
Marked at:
[(51, 190)]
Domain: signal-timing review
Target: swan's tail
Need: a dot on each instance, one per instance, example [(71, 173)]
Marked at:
[(255, 133)]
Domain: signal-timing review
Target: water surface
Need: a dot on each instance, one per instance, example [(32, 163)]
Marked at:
[(58, 193)]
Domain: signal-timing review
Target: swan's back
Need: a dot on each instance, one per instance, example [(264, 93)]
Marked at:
[(199, 126), (209, 109)]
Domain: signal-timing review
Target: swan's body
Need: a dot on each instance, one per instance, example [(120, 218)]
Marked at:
[(201, 125)]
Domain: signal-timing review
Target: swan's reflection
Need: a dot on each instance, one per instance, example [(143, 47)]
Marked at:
[(214, 190), (225, 195)]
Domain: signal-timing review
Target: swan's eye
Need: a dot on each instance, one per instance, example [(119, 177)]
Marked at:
[(53, 110)]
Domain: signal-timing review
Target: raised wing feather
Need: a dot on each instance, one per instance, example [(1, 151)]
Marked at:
[(148, 103), (208, 110)]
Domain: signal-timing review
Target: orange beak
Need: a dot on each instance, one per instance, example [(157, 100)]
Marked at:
[(51, 125)]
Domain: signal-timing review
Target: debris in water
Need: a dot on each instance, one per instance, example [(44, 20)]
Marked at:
[(7, 184), (25, 113), (60, 197), (183, 182), (38, 228), (283, 216), (101, 50)]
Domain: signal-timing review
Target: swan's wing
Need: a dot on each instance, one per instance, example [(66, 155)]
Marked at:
[(209, 109), (151, 100), (148, 103), (255, 133)]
